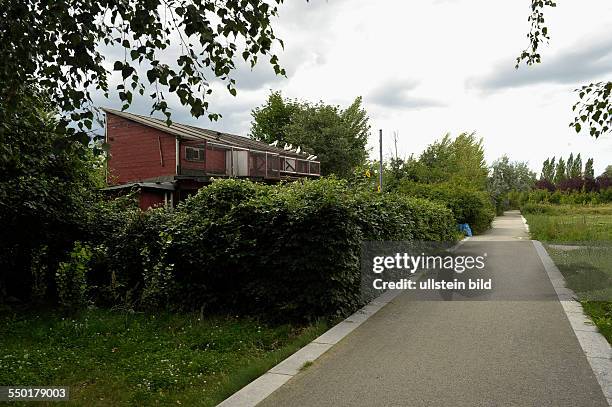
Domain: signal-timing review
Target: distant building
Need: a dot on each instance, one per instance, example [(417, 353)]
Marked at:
[(168, 163)]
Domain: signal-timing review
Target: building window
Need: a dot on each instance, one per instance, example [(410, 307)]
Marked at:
[(194, 154)]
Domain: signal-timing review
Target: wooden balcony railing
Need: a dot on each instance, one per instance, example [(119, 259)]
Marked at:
[(210, 159)]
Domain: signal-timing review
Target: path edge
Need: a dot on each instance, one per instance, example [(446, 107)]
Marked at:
[(260, 388), (596, 348)]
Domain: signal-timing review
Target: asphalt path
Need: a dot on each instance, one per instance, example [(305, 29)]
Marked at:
[(508, 346)]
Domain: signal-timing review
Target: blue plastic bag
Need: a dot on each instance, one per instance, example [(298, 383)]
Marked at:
[(465, 229)]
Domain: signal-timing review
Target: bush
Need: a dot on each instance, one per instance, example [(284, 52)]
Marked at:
[(569, 197), (290, 250), (537, 208), (545, 185), (285, 251), (71, 277), (469, 206)]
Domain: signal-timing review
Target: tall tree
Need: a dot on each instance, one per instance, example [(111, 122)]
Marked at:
[(560, 174), (594, 107), (58, 46), (576, 170), (548, 170), (271, 119), (338, 137), (589, 170), (569, 166), (460, 161), (506, 176)]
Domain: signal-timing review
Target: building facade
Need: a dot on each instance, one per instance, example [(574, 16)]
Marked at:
[(165, 164)]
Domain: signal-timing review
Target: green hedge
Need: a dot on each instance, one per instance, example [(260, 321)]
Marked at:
[(468, 205), (290, 250), (285, 251)]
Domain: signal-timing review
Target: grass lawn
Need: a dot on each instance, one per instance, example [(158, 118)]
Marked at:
[(579, 240), (112, 358), (572, 223)]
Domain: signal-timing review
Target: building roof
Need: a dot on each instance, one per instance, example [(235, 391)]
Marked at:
[(166, 186), (188, 132)]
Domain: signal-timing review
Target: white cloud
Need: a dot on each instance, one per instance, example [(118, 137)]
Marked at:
[(400, 94), (587, 60)]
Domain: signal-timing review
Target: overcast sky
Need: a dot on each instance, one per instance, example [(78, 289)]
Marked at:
[(429, 67)]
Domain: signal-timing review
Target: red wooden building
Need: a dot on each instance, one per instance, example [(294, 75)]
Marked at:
[(168, 163)]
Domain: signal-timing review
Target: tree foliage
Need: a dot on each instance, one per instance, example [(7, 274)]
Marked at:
[(571, 175), (338, 137), (575, 169), (47, 182), (509, 176), (594, 107), (537, 34), (548, 170), (589, 171), (58, 46), (560, 171), (460, 161), (450, 171), (271, 119)]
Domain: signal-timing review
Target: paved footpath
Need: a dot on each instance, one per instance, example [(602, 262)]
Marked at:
[(512, 347)]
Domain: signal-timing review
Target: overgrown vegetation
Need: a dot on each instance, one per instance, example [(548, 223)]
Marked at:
[(288, 251), (452, 172), (121, 358), (569, 223), (48, 187), (565, 182), (507, 178), (579, 239)]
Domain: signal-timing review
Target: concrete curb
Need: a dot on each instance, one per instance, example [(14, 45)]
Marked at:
[(596, 348), (262, 387), (525, 223), (459, 243)]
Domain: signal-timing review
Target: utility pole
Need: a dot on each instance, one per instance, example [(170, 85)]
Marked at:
[(380, 168)]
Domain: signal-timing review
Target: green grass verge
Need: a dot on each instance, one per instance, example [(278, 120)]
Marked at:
[(588, 268), (117, 358), (571, 223), (588, 272)]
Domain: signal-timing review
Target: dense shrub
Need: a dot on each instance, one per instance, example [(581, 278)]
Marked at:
[(576, 184), (468, 205), (290, 250), (545, 184), (71, 276), (567, 197), (287, 251), (571, 184), (537, 208), (47, 184)]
